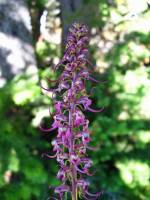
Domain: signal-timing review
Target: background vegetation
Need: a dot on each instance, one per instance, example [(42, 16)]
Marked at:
[(119, 49)]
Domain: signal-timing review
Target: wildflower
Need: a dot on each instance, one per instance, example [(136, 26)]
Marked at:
[(71, 143)]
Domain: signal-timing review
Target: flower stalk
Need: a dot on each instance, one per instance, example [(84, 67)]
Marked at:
[(72, 150), (70, 101)]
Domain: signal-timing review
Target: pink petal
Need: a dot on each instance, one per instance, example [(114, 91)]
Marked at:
[(94, 80), (94, 195), (45, 154), (96, 111), (46, 130)]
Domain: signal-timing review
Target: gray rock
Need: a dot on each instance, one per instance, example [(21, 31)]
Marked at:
[(16, 50)]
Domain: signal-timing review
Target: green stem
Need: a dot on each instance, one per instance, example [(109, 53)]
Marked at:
[(72, 150), (74, 185)]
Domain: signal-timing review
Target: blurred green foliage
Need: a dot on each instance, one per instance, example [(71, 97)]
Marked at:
[(120, 49)]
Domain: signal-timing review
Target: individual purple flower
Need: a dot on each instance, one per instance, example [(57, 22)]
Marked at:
[(73, 137), (61, 190), (79, 118), (61, 175), (74, 159), (85, 138)]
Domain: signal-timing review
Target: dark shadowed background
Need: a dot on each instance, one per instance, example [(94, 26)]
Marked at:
[(32, 38)]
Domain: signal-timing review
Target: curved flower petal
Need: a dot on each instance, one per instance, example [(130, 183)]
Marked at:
[(93, 79), (51, 115), (80, 170), (92, 148), (48, 156), (61, 189), (46, 130), (47, 89), (52, 81), (95, 111), (93, 195)]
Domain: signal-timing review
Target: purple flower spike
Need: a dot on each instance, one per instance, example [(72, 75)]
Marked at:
[(73, 137)]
